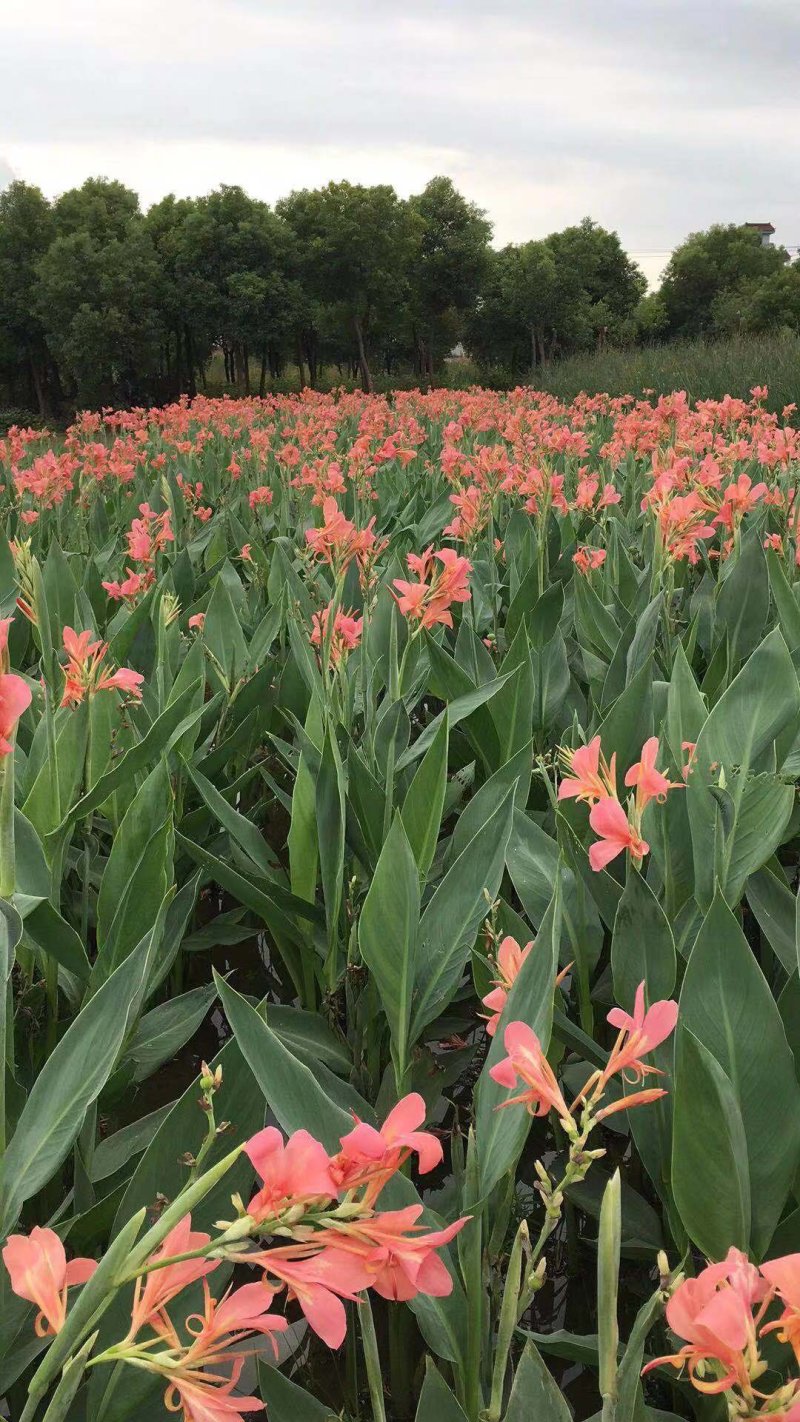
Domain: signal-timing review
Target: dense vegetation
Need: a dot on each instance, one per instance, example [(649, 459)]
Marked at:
[(399, 851), (102, 304)]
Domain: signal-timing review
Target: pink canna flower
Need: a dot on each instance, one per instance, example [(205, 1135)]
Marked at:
[(588, 560), (608, 497), (717, 1324), (429, 602), (338, 541), (294, 1172), (346, 635), (526, 1062), (261, 497), (39, 1272), (15, 698), (738, 499), (638, 1034), (201, 1399), (318, 1283), (585, 492), (690, 748), (609, 821), (400, 1263), (510, 958), (783, 1275), (240, 1312), (84, 674), (591, 778), (650, 783), (124, 679), (370, 1156), (130, 588), (155, 1289), (197, 620)]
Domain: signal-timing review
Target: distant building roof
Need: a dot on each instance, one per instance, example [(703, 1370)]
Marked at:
[(760, 226)]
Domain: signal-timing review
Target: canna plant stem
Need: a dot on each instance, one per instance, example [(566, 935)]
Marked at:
[(372, 1360)]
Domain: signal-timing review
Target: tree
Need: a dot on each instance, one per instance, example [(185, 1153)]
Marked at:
[(449, 264), (354, 246), (101, 206), (610, 280), (26, 231), (708, 267), (96, 295)]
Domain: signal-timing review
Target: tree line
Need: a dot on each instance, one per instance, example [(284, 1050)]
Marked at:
[(101, 303)]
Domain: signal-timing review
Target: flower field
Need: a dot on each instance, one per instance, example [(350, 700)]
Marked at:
[(398, 910)]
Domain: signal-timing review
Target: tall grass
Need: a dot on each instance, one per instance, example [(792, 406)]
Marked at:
[(707, 370)]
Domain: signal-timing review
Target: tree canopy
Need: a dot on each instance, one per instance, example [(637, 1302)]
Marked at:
[(101, 303)]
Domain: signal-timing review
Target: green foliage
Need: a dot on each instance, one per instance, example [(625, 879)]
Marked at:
[(316, 859)]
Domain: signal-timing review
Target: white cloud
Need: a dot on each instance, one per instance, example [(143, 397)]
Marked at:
[(655, 119)]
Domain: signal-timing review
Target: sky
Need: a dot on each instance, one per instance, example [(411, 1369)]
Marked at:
[(654, 117)]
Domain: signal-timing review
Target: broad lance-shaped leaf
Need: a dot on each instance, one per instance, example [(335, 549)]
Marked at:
[(42, 805), (738, 734), (511, 710), (137, 873), (330, 806), (243, 831), (457, 710), (387, 936), (501, 1133), (785, 601), (179, 717), (164, 1030), (71, 1079), (727, 1004), (452, 918), (286, 1400), (535, 1393), (775, 908), (302, 840), (743, 600), (290, 1088), (630, 720), (514, 774), (422, 807), (642, 949), (629, 1386), (436, 1401), (686, 709), (710, 1178), (222, 634), (534, 861), (161, 1168)]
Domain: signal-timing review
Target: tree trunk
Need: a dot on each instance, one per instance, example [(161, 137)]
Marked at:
[(429, 363), (533, 352), (192, 387), (37, 386), (262, 380), (310, 347), (246, 365), (366, 374), (300, 366), (178, 361)]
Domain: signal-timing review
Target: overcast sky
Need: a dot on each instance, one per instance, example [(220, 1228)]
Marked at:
[(655, 117)]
